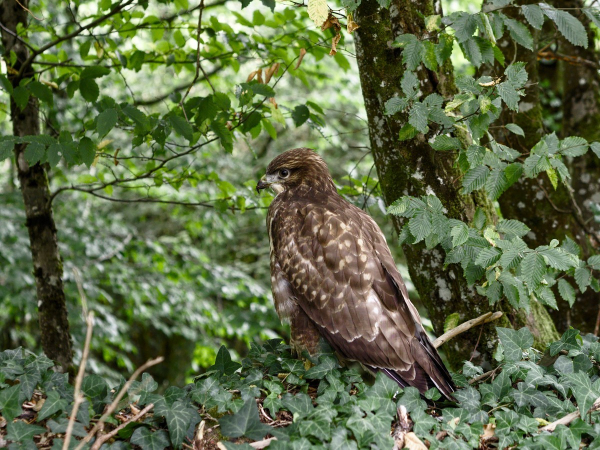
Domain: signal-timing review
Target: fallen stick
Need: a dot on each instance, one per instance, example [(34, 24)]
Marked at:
[(566, 420), (485, 318), (101, 440)]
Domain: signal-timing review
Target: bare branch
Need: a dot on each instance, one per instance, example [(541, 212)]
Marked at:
[(566, 420), (485, 318), (101, 440)]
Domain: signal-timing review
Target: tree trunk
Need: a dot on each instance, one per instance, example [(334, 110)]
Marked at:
[(413, 168), (47, 266), (552, 214)]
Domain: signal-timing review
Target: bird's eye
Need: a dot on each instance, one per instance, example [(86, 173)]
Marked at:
[(284, 173)]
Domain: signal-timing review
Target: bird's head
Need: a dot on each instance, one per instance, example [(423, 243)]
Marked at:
[(297, 168)]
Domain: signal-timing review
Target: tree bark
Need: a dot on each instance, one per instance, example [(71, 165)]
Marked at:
[(47, 265), (413, 168), (554, 214)]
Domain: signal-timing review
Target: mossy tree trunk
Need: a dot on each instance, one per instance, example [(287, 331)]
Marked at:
[(413, 168), (47, 266), (554, 214)]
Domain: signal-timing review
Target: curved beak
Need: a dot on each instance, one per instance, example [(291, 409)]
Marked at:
[(262, 184)]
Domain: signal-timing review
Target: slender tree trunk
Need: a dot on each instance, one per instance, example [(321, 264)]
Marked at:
[(413, 168), (47, 266)]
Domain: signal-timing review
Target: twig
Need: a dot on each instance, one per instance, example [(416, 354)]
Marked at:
[(566, 420), (485, 318), (117, 399), (77, 393), (106, 437), (485, 375)]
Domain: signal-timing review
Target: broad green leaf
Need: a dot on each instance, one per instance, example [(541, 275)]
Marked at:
[(95, 387), (412, 54), (52, 405), (87, 150), (519, 33), (460, 234), (534, 15), (320, 370), (514, 342), (515, 129), (568, 25), (583, 278), (34, 153), (573, 146), (182, 127), (245, 422), (89, 89), (318, 11), (417, 117), (94, 72), (444, 142), (106, 121), (420, 225), (487, 257), (149, 440), (394, 105), (223, 363), (475, 179), (594, 262), (451, 322), (10, 406), (300, 114), (508, 93), (533, 269), (20, 431), (581, 387)]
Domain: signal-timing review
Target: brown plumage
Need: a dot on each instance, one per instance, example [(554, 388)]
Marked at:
[(333, 276)]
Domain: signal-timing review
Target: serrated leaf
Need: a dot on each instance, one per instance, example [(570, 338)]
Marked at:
[(89, 89), (475, 179), (407, 132), (148, 440), (300, 114), (413, 54), (420, 225), (318, 11), (568, 25), (534, 15), (573, 146), (87, 150), (487, 257), (583, 278), (519, 33), (224, 135), (510, 96), (444, 142), (418, 117), (515, 129), (533, 269), (106, 121), (464, 26), (94, 72), (34, 153), (182, 127), (496, 184), (594, 262), (409, 83), (566, 291), (394, 105), (460, 234), (595, 146)]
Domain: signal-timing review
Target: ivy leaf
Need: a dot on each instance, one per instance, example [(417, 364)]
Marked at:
[(149, 440), (568, 341), (514, 342), (9, 402), (178, 419), (53, 404), (245, 422), (223, 363), (182, 127), (106, 121), (300, 404), (22, 432), (319, 371), (582, 389)]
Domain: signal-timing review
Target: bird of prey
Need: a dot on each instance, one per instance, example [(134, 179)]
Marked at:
[(333, 276)]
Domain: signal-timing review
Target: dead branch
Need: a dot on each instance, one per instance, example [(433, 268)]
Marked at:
[(117, 399), (566, 420), (101, 440), (485, 318)]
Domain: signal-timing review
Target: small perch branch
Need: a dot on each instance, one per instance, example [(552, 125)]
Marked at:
[(117, 399), (566, 420), (101, 440), (487, 317)]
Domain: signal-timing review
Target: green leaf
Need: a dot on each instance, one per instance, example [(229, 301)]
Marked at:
[(418, 117), (460, 234), (443, 49), (41, 91), (89, 89), (568, 341), (300, 404), (519, 33), (475, 179), (94, 72), (409, 83), (581, 387), (515, 129), (583, 278), (52, 405), (464, 26), (20, 431), (21, 97), (412, 54), (496, 184), (182, 127), (394, 105), (148, 440), (594, 262), (87, 150), (34, 153), (534, 15), (223, 363), (319, 371), (94, 387), (137, 116), (420, 225), (6, 149), (106, 121), (508, 93), (178, 419), (444, 142), (300, 114), (451, 322), (533, 269), (10, 406), (487, 257), (568, 25), (245, 422), (407, 132), (224, 135), (595, 146), (573, 146), (514, 342)]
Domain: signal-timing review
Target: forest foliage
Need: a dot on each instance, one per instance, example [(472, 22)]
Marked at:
[(152, 111)]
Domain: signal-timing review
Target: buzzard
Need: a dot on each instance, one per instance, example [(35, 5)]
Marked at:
[(333, 276)]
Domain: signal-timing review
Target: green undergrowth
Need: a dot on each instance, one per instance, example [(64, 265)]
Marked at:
[(270, 394)]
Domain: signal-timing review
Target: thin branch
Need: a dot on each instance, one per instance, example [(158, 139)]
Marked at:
[(78, 396), (485, 375), (566, 420), (101, 440), (485, 318), (117, 399), (66, 37)]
